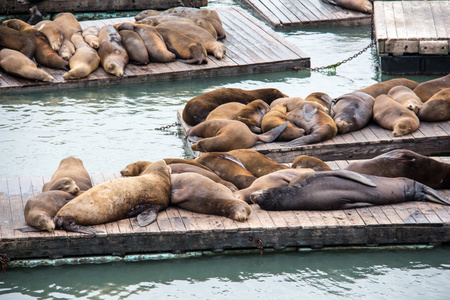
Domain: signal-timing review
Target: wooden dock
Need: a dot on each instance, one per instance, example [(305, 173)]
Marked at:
[(177, 230), (303, 13), (413, 37), (252, 47)]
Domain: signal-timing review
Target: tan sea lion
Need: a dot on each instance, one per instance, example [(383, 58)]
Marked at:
[(17, 40), (225, 111), (406, 97), (323, 99), (391, 115), (113, 55), (306, 161), (84, 61), (428, 88), (142, 196), (183, 46), (197, 193), (276, 117), (294, 103), (252, 114), (197, 109), (364, 6), (69, 25), (226, 135), (437, 108), (18, 64), (381, 88), (137, 52), (90, 35), (318, 125), (65, 184), (53, 32), (352, 111), (258, 164), (136, 168)]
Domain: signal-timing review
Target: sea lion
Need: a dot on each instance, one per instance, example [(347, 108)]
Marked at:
[(113, 55), (197, 109), (199, 34), (142, 196), (53, 32), (137, 52), (406, 97), (364, 6), (276, 117), (226, 135), (197, 193), (306, 161), (352, 111), (345, 190), (318, 125), (437, 108), (294, 103), (84, 61), (258, 164), (90, 35), (380, 88), (428, 88), (136, 168), (73, 168), (228, 168), (18, 64), (391, 115), (275, 179), (225, 111), (69, 25), (40, 209), (17, 40), (65, 184), (153, 40), (183, 46), (252, 114), (323, 99), (406, 163)]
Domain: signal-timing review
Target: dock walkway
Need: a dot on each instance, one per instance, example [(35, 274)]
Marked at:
[(177, 230)]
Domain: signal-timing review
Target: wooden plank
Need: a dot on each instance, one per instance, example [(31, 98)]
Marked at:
[(302, 14), (445, 11), (367, 216), (422, 12), (265, 12)]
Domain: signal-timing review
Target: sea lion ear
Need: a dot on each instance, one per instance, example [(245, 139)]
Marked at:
[(147, 216), (308, 112)]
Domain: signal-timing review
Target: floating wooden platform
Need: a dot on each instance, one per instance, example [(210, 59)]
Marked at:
[(413, 37), (290, 13), (177, 230), (432, 138), (252, 47)]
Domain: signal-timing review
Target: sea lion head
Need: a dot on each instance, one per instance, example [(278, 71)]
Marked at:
[(46, 224), (402, 128), (65, 184), (135, 169)]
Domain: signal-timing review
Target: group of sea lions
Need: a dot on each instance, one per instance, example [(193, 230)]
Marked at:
[(227, 183), (229, 118), (157, 36)]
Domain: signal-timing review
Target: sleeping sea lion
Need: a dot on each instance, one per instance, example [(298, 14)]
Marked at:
[(18, 64), (136, 168), (113, 55), (136, 49), (84, 61), (306, 161), (364, 6), (69, 25), (323, 99), (258, 164), (90, 35), (17, 40), (352, 111), (406, 97), (225, 111), (53, 32), (380, 88), (428, 88), (437, 108), (252, 114), (276, 117)]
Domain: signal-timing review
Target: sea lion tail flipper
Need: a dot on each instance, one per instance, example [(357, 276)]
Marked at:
[(308, 112), (148, 216), (355, 177), (194, 138), (82, 229), (433, 196), (232, 158), (273, 134), (28, 229)]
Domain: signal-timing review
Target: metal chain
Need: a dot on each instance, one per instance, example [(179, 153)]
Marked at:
[(167, 126)]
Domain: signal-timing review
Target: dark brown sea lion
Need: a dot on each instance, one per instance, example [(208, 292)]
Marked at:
[(17, 40), (226, 135), (252, 114), (364, 6), (113, 55), (380, 88), (18, 64), (318, 125), (35, 15), (352, 111), (198, 108), (276, 117), (84, 61), (428, 88), (69, 25), (225, 111), (258, 164), (137, 52), (437, 108), (406, 163), (142, 196), (306, 161), (406, 97), (391, 115), (344, 190), (197, 193), (53, 32), (90, 35)]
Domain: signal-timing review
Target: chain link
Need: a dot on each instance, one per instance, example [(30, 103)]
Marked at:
[(167, 126)]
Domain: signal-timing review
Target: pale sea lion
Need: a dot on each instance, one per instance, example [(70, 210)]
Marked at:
[(428, 88), (391, 115), (406, 97), (352, 111), (306, 161), (84, 61), (197, 193), (225, 111), (437, 108), (142, 196), (276, 117), (364, 6), (69, 25), (137, 52), (252, 114), (380, 88), (113, 55), (90, 35), (18, 64), (345, 190), (53, 32), (258, 164)]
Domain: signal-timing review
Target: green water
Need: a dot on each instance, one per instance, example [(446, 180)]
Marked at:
[(110, 127)]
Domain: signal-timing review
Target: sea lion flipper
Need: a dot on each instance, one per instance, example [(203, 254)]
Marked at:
[(194, 138), (273, 134), (231, 158), (147, 216), (308, 112), (356, 205), (433, 196), (28, 229), (355, 177)]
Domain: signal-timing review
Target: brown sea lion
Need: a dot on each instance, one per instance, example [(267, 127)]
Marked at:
[(136, 49), (73, 168), (136, 168), (113, 55), (84, 61), (198, 108), (380, 88), (306, 161), (153, 40), (391, 115), (323, 99), (252, 114), (17, 40), (276, 117), (18, 64), (406, 163), (345, 190), (428, 88), (318, 125), (406, 97), (258, 164), (226, 135), (53, 32), (90, 35), (225, 111), (364, 6), (352, 111), (228, 168), (65, 184), (142, 196), (437, 108), (294, 103), (183, 46), (197, 193), (69, 25)]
